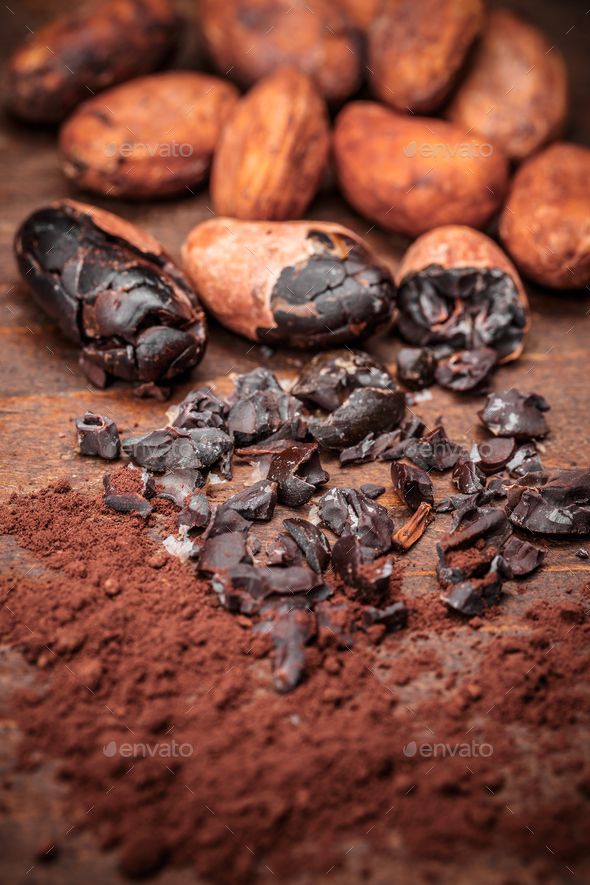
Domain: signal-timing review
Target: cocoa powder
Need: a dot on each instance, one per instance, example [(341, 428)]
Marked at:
[(131, 648)]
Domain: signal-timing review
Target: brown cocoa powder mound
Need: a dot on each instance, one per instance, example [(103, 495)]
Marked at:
[(133, 649)]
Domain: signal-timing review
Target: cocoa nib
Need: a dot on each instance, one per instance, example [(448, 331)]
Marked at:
[(495, 453), (415, 367), (461, 308), (177, 484), (355, 565), (384, 447), (201, 408), (468, 477), (434, 450), (196, 513), (221, 552), (347, 511), (412, 484), (125, 492), (312, 542), (337, 294), (256, 502), (298, 472), (525, 460), (413, 529), (393, 617), (330, 377), (111, 288), (366, 410), (259, 412), (472, 597), (372, 490), (516, 414), (283, 550), (558, 505), (243, 587), (467, 369), (292, 628), (171, 447), (98, 436), (521, 556)]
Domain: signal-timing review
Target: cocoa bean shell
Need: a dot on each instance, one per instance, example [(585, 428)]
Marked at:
[(302, 283), (416, 50), (514, 92), (248, 39), (410, 174), (85, 51), (456, 247), (151, 137), (273, 150), (546, 222)]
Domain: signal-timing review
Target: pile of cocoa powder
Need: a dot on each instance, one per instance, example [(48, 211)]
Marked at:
[(132, 648)]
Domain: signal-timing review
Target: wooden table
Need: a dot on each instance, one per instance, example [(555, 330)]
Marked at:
[(42, 390)]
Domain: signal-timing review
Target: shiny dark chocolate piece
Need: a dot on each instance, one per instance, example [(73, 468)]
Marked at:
[(495, 453), (415, 367), (412, 484), (559, 506), (171, 447), (348, 511), (367, 409), (328, 378), (298, 472), (201, 408), (367, 577), (525, 460), (257, 502), (521, 556), (196, 512), (468, 477), (514, 413), (98, 436), (434, 450), (466, 369), (312, 542)]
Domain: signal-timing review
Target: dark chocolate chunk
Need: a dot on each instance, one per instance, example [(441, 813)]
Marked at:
[(560, 506), (393, 617), (201, 408), (517, 414), (177, 484), (367, 577), (582, 553), (298, 473), (466, 369), (522, 557), (412, 484), (253, 382), (371, 490), (147, 390), (461, 308), (225, 519), (415, 367), (258, 501), (263, 414), (292, 628), (367, 409), (222, 551), (113, 290), (473, 596), (413, 529), (311, 540), (283, 550), (123, 500), (196, 513), (468, 477), (473, 548), (347, 511), (98, 436), (328, 378), (495, 453), (434, 451), (525, 460), (172, 447)]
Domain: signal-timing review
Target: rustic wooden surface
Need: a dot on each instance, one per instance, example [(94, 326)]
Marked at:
[(42, 390)]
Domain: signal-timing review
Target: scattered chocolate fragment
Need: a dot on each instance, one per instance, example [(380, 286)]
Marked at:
[(226, 520), (458, 291), (466, 369), (328, 378), (124, 493), (98, 436), (257, 502), (353, 563), (469, 554), (372, 490), (582, 553), (150, 390), (113, 290), (559, 505), (393, 617), (260, 408), (347, 511), (472, 597), (292, 629), (416, 367), (521, 556), (411, 532), (201, 408), (385, 447), (177, 484), (495, 453), (195, 513), (468, 477), (172, 447), (514, 413), (312, 542), (367, 410), (434, 450), (412, 484), (222, 551), (283, 550), (298, 472), (524, 461)]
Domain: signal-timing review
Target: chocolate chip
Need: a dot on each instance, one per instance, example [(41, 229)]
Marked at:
[(347, 511), (560, 506), (412, 484), (258, 501), (522, 557), (369, 578), (514, 413), (312, 542), (98, 436)]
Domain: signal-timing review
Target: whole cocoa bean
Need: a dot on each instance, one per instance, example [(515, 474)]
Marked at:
[(514, 93), (273, 150), (87, 50), (250, 38), (459, 292), (417, 47), (112, 289), (150, 137), (410, 174), (546, 222), (303, 284)]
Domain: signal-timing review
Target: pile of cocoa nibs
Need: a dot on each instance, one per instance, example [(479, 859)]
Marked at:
[(343, 401)]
